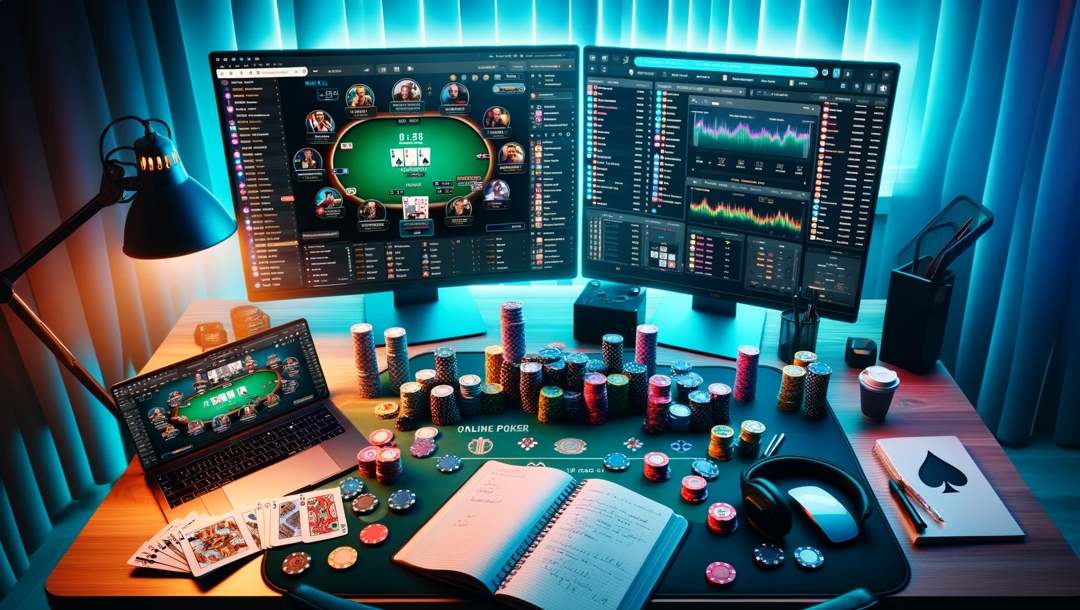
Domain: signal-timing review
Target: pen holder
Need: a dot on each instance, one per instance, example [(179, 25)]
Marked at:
[(915, 315), (789, 343)]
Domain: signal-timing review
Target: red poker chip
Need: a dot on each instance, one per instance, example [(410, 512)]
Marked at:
[(368, 454), (389, 454), (655, 458), (722, 511), (720, 573), (381, 437), (693, 483), (374, 534)]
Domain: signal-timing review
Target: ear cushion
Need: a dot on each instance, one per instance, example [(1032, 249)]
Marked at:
[(765, 509)]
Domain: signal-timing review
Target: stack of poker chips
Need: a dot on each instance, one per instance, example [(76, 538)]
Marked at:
[(596, 399), (367, 364), (575, 371), (209, 335), (512, 315), (746, 373), (750, 437), (791, 388), (817, 386), (510, 374), (366, 460), (678, 417), (555, 373), (531, 380), (656, 466), (659, 397), (412, 409), (804, 358), (573, 407), (701, 411), (550, 354), (639, 386), (388, 466), (694, 490), (720, 393), (491, 399), (248, 320), (645, 347), (680, 367), (685, 384), (445, 366), (550, 405), (444, 409), (722, 518), (426, 379), (721, 438), (618, 394), (397, 357), (532, 357), (469, 386), (611, 349), (493, 357), (595, 366)]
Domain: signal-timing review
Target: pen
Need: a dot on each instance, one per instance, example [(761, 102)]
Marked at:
[(905, 503), (921, 501), (774, 445)]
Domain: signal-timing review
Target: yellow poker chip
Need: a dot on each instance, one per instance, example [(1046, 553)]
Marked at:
[(386, 410), (342, 558)]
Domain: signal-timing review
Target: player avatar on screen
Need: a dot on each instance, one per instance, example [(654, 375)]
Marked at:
[(359, 96), (371, 210), (328, 204), (318, 121), (454, 94), (415, 207), (459, 206), (496, 116), (407, 90), (496, 190), (307, 158), (220, 423), (511, 152)]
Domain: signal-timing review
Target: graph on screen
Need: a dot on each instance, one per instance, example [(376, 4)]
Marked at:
[(778, 217), (760, 133)]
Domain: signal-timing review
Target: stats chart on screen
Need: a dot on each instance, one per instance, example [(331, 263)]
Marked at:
[(737, 177), (360, 171)]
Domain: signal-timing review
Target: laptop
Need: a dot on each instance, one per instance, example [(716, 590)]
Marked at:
[(246, 421)]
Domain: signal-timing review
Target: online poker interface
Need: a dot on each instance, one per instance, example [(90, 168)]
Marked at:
[(192, 404), (361, 171), (740, 177)]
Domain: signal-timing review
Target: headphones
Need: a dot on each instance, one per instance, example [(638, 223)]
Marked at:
[(766, 508)]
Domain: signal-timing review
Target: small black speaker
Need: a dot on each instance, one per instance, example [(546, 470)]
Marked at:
[(608, 307)]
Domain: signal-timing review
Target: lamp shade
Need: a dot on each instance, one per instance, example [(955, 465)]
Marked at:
[(171, 214)]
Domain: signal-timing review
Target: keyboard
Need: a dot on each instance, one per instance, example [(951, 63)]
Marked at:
[(245, 456)]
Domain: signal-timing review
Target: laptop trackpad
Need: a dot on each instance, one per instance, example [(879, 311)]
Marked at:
[(283, 478)]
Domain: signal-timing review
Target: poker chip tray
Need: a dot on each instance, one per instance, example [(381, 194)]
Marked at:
[(874, 561)]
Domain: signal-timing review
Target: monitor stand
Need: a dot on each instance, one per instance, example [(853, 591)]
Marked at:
[(706, 325), (427, 314)]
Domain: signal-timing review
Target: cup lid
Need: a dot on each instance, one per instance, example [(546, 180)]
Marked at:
[(879, 377)]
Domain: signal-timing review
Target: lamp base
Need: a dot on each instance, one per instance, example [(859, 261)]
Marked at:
[(428, 314)]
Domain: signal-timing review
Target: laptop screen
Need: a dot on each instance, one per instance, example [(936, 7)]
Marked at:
[(192, 404)]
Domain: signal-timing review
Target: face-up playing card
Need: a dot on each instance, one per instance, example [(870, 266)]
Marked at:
[(251, 521), (397, 157), (221, 541), (410, 157), (323, 515), (425, 156), (285, 521)]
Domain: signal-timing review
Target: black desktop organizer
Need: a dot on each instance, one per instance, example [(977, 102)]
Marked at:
[(915, 316)]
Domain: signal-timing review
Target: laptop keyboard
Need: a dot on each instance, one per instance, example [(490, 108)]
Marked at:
[(243, 457)]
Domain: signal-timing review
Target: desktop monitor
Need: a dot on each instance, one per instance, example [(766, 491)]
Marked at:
[(732, 179), (401, 171)]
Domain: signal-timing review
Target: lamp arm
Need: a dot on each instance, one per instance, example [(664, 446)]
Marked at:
[(112, 191)]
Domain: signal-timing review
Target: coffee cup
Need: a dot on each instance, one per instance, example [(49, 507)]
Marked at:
[(877, 385)]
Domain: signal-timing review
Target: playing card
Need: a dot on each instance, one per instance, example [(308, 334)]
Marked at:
[(323, 515), (285, 521), (410, 157), (138, 560), (262, 509), (224, 540), (425, 156), (397, 157), (251, 520)]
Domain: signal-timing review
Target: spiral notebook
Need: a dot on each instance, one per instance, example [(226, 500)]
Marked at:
[(535, 537)]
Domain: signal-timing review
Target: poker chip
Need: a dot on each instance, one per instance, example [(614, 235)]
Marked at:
[(367, 364), (429, 432), (365, 504), (808, 557), (381, 437), (367, 459), (512, 327), (750, 437), (694, 489), (721, 438), (342, 558), (374, 534), (388, 466), (616, 462), (422, 448), (768, 556), (656, 466), (722, 518), (746, 367), (397, 357), (720, 573), (401, 501), (296, 563), (706, 469), (387, 409), (645, 347), (350, 488), (448, 464)]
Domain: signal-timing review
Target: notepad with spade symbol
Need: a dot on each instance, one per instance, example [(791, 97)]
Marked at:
[(942, 472)]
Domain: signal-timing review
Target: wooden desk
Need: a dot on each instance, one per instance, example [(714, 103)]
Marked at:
[(94, 568)]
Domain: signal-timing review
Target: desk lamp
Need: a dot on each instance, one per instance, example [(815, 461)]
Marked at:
[(170, 215)]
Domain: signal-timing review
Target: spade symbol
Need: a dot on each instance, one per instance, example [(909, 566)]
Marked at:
[(936, 471)]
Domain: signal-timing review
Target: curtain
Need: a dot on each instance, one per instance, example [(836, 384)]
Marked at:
[(987, 105)]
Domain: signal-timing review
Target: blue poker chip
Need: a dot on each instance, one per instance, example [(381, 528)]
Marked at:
[(616, 462), (809, 558), (706, 469), (448, 464), (350, 488)]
